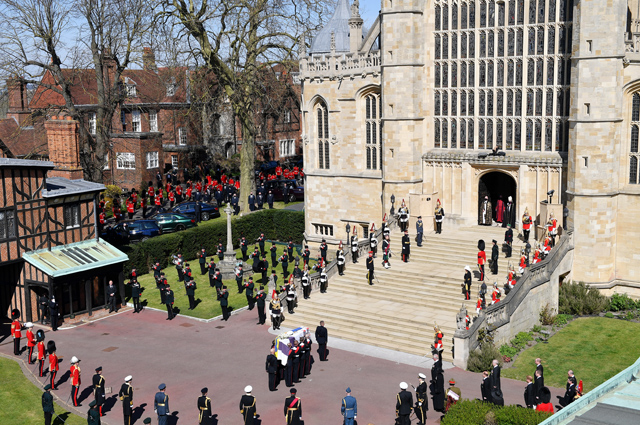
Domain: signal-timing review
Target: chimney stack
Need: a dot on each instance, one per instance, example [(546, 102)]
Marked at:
[(149, 60), (18, 102), (64, 147)]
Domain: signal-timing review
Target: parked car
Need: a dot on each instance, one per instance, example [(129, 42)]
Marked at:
[(188, 208), (276, 186), (131, 231), (170, 221)]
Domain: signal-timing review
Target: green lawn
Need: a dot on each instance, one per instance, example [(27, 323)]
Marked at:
[(22, 400), (595, 348), (208, 307), (223, 215)]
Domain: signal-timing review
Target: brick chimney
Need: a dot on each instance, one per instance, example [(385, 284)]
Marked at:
[(149, 60), (18, 103), (64, 147)]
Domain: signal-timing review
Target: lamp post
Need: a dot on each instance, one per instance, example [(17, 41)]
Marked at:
[(348, 229), (393, 201)]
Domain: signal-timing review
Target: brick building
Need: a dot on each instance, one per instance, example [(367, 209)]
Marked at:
[(48, 234)]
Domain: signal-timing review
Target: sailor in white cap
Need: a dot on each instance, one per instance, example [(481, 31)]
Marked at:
[(466, 286), (126, 395), (248, 406), (404, 402), (75, 380), (421, 399)]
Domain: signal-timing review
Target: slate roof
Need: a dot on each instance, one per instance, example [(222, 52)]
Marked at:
[(13, 162), (339, 25), (28, 140), (59, 186)]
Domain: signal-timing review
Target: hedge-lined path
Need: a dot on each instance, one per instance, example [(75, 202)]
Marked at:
[(226, 356)]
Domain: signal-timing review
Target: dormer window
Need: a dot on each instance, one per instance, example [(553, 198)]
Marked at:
[(131, 90)]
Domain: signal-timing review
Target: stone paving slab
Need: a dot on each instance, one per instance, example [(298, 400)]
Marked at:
[(187, 355)]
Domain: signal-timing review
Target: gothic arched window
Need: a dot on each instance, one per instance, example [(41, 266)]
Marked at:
[(322, 114), (373, 133)]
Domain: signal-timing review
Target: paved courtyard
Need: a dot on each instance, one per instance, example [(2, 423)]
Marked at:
[(225, 357)]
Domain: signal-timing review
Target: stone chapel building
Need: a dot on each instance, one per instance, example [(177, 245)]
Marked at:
[(414, 106)]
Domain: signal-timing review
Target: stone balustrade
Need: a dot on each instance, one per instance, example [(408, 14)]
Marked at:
[(339, 65)]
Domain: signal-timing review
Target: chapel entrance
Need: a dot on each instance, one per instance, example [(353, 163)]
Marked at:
[(497, 186)]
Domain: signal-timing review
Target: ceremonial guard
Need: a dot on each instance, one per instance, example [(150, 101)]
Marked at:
[(324, 280), (321, 338), (305, 255), (453, 394), (403, 216), (290, 250), (482, 258), (284, 259), (161, 405), (478, 305), (422, 405), (291, 294), (308, 360), (406, 247), (31, 342), (419, 231), (508, 240), (293, 408), (244, 248), (404, 403), (306, 283), (523, 262), (495, 295), (271, 367), (157, 270), (161, 285), (217, 280), (190, 284), (370, 267), (552, 229), (437, 346), (261, 241), (41, 352), (75, 379), (99, 389), (248, 292), (136, 291), (248, 406), (273, 280), (276, 310), (220, 251), (93, 416), (495, 254), (187, 274), (323, 251), (354, 246), (168, 300), (223, 297), (47, 404), (385, 229), (485, 212), (483, 294), (126, 396), (274, 254), (202, 259), (373, 241), (54, 366), (260, 301), (386, 252), (466, 286), (179, 263), (340, 259), (349, 408), (526, 224), (437, 384), (204, 407), (295, 352), (438, 215)]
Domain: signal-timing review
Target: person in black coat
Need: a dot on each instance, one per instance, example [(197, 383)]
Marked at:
[(248, 291), (321, 338), (293, 409), (198, 210), (271, 366), (495, 254), (538, 384), (111, 297), (260, 300), (285, 193), (136, 292), (168, 300), (270, 200), (252, 202), (43, 305), (569, 395), (496, 391), (508, 240), (437, 384), (467, 283), (191, 292), (53, 313), (406, 247), (404, 403), (223, 297), (422, 405), (530, 393), (484, 387), (248, 406), (370, 267)]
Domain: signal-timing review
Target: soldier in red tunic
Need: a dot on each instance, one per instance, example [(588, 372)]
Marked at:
[(31, 342), (16, 331), (526, 224), (75, 379), (482, 258)]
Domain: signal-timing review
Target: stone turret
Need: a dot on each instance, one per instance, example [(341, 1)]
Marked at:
[(355, 27)]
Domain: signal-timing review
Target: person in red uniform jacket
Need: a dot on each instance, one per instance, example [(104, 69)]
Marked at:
[(523, 262), (482, 258), (131, 209), (179, 193), (143, 205), (189, 192), (75, 379), (16, 331), (158, 200), (54, 367), (536, 256), (151, 193), (41, 357), (278, 171), (526, 224), (547, 245), (31, 342), (479, 305), (102, 218), (172, 198), (495, 295), (238, 185)]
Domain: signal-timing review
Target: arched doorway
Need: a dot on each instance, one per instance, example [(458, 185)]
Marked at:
[(496, 186)]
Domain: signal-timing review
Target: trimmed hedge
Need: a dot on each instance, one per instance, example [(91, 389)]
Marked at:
[(476, 412), (276, 224)]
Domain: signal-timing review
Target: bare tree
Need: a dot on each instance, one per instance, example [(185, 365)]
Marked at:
[(59, 44), (238, 40)]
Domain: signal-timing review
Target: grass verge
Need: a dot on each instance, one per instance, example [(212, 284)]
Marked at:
[(22, 400), (595, 348)]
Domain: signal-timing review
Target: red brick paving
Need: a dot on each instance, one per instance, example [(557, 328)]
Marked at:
[(188, 355)]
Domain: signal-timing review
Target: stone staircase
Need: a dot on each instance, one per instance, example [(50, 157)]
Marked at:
[(399, 311)]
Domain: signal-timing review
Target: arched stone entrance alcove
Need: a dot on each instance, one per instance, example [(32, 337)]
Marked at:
[(496, 185)]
